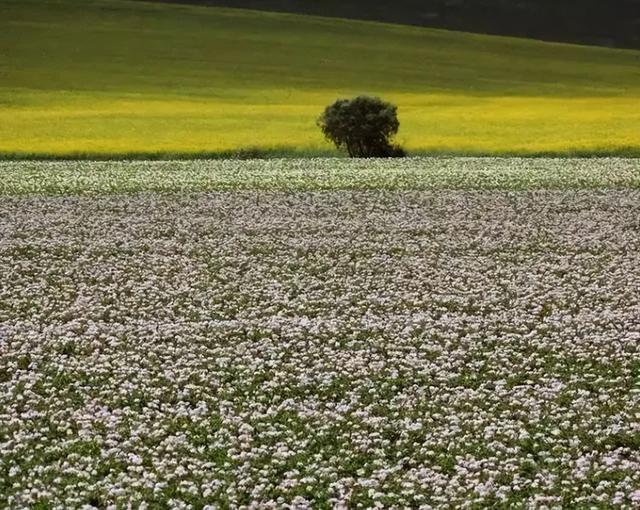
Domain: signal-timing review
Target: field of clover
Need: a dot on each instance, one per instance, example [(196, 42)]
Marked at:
[(454, 333)]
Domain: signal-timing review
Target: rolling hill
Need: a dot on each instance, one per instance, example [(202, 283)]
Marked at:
[(117, 76), (614, 23)]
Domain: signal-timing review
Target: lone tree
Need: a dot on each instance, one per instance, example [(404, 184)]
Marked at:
[(364, 126)]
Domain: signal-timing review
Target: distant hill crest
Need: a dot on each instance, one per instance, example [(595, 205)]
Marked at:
[(613, 23)]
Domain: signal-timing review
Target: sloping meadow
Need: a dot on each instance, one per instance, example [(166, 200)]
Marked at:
[(426, 333)]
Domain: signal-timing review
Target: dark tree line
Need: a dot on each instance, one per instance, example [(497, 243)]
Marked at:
[(601, 22)]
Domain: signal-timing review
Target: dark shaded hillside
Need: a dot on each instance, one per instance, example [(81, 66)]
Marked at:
[(601, 22)]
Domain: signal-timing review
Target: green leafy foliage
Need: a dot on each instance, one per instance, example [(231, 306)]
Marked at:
[(364, 126)]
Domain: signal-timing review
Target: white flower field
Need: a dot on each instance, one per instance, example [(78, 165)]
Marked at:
[(418, 333)]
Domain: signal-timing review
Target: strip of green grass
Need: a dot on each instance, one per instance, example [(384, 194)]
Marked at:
[(240, 154), (292, 153)]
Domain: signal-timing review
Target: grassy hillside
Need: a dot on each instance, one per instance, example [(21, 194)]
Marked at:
[(111, 76)]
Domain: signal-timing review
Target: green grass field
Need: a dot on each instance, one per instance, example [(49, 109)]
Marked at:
[(115, 77)]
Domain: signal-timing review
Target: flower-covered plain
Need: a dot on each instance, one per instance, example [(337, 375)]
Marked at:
[(508, 174), (390, 348)]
